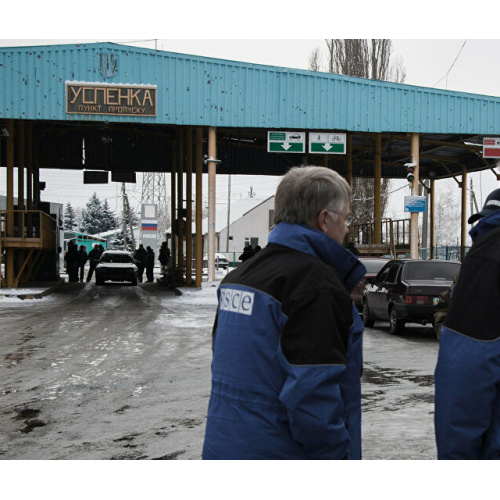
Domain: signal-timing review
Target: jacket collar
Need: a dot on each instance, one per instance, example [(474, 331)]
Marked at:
[(485, 225), (312, 241)]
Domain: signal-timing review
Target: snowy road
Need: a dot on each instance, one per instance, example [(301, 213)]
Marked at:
[(123, 372)]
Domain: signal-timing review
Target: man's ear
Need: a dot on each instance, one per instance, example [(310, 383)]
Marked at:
[(321, 221)]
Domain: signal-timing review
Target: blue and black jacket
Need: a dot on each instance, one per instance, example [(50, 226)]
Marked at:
[(287, 353), (467, 416)]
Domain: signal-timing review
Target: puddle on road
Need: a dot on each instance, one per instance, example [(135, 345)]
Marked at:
[(31, 422), (388, 376), (382, 379)]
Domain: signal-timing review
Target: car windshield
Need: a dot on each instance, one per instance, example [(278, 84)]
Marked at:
[(114, 258), (426, 270), (373, 265)]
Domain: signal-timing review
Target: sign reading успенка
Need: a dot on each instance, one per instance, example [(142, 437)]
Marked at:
[(110, 99)]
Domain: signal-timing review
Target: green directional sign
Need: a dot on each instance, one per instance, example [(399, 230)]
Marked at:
[(286, 142), (330, 143)]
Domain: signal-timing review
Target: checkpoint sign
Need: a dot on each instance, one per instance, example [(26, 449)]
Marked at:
[(415, 204), (327, 143), (491, 147), (286, 142)]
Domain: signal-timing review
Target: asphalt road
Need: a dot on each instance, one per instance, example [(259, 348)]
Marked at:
[(123, 372)]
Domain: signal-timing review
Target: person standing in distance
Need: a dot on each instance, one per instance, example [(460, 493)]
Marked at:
[(467, 377), (287, 339)]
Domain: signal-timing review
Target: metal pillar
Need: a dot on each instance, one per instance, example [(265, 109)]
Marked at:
[(415, 145), (29, 178), (189, 206), (432, 228), (9, 223), (180, 199), (212, 155), (463, 232), (377, 179), (348, 172), (199, 194), (173, 213)]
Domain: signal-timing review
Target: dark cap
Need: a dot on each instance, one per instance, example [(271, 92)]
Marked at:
[(492, 204)]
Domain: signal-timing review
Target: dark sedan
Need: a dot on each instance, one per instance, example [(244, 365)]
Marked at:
[(116, 265), (373, 266), (406, 291)]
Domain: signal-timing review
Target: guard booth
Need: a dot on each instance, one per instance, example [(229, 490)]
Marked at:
[(30, 243)]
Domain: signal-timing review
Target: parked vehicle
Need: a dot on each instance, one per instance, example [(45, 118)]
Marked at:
[(406, 291), (221, 261), (116, 265), (373, 266)]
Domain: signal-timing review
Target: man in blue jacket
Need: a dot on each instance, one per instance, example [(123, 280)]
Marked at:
[(287, 340), (467, 416)]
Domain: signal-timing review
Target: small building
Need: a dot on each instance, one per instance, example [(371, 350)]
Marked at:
[(250, 224)]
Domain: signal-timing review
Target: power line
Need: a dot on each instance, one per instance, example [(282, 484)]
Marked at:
[(451, 67)]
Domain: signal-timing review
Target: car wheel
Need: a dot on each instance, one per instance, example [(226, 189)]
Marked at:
[(368, 319), (396, 325), (134, 282), (99, 281)]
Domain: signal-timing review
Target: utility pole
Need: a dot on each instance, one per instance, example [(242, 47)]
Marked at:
[(124, 221), (228, 210)]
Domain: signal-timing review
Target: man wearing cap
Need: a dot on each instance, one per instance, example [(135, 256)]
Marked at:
[(467, 378)]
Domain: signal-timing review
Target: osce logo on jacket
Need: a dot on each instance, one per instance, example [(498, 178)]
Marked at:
[(236, 301)]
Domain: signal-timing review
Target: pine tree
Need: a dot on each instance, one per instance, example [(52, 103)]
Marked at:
[(108, 221), (118, 242), (70, 222), (92, 216)]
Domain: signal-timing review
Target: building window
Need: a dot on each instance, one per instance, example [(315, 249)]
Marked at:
[(271, 219), (253, 242)]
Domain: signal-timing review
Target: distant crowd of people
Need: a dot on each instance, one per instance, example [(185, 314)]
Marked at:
[(145, 261), (248, 252)]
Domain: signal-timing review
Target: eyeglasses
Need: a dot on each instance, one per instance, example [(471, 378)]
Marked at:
[(347, 218)]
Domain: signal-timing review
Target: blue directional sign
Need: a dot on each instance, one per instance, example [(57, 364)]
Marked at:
[(415, 204)]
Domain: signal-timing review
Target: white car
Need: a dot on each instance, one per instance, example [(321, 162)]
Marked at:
[(116, 265), (221, 261)]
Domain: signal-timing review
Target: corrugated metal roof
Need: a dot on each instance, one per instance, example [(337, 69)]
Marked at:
[(196, 90)]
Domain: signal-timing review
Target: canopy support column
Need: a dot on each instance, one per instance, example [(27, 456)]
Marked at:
[(212, 162), (432, 228), (173, 205), (463, 231), (199, 194), (415, 145), (180, 206), (189, 206), (9, 223), (348, 170), (377, 179)]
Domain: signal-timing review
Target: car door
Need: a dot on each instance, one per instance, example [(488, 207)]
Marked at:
[(375, 290), (391, 280)]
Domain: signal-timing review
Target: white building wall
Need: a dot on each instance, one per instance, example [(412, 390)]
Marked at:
[(253, 224)]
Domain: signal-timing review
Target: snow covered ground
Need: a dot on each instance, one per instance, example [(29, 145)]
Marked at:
[(123, 372)]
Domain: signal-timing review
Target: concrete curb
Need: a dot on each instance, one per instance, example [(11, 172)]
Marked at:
[(38, 295)]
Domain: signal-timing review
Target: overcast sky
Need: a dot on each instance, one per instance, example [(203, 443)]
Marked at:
[(454, 63)]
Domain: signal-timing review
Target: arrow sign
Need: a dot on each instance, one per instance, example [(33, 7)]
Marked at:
[(327, 143), (286, 142)]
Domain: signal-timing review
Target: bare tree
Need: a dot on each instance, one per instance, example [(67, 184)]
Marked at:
[(447, 213), (365, 59), (314, 60)]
